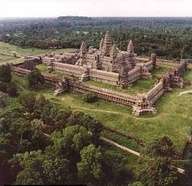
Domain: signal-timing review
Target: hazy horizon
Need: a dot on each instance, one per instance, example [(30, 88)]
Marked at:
[(95, 8)]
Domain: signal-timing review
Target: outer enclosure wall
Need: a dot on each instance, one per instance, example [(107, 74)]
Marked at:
[(152, 95)]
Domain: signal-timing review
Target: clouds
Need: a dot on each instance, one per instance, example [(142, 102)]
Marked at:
[(53, 8)]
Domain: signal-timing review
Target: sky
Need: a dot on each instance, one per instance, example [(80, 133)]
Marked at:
[(95, 8)]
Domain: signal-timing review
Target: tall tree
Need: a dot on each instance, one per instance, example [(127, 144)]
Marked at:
[(157, 169), (90, 168), (35, 79), (5, 73)]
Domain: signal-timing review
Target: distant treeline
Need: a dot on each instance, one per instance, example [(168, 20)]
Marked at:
[(168, 37)]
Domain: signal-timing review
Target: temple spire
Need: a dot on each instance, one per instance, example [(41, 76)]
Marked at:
[(101, 44), (114, 51), (82, 54), (107, 44), (154, 59), (131, 55), (83, 49), (130, 47)]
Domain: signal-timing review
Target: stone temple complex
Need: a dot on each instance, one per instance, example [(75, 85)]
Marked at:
[(110, 65), (107, 64)]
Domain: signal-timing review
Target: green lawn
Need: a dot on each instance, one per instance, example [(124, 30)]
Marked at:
[(188, 74), (44, 69)]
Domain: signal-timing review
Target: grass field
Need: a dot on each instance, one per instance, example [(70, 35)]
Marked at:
[(44, 69)]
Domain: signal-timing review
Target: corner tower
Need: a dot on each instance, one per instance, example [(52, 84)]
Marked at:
[(114, 51), (101, 44), (83, 49), (82, 54), (154, 59)]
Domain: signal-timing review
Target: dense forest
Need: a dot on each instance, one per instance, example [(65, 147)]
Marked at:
[(168, 37)]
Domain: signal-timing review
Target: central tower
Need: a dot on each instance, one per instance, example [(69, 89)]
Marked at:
[(107, 45), (131, 55)]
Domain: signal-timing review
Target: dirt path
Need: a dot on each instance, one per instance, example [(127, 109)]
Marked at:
[(130, 151), (120, 146), (100, 110), (185, 92)]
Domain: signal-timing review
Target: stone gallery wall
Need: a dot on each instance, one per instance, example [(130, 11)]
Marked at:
[(71, 70), (134, 75), (106, 77)]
